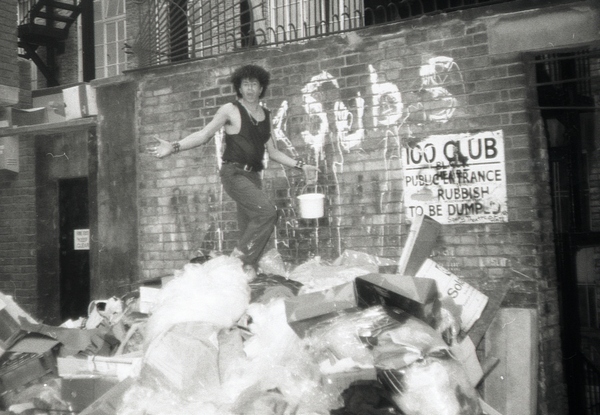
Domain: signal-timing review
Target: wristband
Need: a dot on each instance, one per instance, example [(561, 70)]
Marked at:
[(299, 164), (176, 147)]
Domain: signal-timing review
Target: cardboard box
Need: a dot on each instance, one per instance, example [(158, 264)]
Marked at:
[(52, 99), (119, 367), (465, 297), (148, 298), (306, 310), (513, 337), (10, 329), (12, 318), (80, 101), (82, 392), (419, 243), (487, 409), (32, 116), (108, 404), (31, 358), (416, 296), (15, 117), (97, 341)]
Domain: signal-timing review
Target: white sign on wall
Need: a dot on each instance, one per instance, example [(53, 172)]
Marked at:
[(81, 239), (456, 178)]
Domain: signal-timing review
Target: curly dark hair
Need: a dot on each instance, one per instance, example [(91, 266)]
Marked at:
[(250, 72)]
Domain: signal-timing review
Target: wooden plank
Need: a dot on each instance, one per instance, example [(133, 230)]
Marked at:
[(511, 388), (495, 299), (51, 128)]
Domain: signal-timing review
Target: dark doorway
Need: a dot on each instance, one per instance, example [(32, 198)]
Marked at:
[(74, 248), (567, 86)]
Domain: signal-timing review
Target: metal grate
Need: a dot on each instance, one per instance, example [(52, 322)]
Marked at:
[(176, 30), (568, 87), (568, 80), (591, 383)]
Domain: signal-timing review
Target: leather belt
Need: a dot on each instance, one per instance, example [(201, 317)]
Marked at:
[(245, 167)]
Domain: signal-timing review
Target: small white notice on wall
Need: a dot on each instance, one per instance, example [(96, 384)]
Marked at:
[(82, 239)]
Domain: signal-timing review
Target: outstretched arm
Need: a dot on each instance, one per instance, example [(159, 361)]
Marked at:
[(195, 139), (310, 172)]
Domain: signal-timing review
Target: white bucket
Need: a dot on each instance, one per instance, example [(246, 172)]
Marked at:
[(312, 205)]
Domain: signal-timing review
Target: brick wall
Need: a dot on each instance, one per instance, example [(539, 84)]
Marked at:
[(18, 230), (432, 77), (366, 106), (17, 190), (68, 62), (9, 72), (363, 177)]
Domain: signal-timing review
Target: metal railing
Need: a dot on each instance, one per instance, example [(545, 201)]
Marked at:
[(43, 12), (176, 30), (23, 10)]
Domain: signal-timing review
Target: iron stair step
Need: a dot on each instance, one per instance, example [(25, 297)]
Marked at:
[(54, 16), (61, 5), (40, 34)]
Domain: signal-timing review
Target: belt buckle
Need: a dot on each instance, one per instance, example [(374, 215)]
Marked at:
[(247, 168)]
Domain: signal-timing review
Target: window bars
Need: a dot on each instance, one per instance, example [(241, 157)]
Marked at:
[(175, 30)]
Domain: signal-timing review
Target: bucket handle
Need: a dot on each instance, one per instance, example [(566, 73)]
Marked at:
[(315, 186)]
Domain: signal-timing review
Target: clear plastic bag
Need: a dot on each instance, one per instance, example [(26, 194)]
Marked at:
[(276, 359), (318, 275), (342, 340), (415, 364), (434, 385), (266, 287), (184, 359), (272, 263), (215, 292), (412, 360), (361, 259)]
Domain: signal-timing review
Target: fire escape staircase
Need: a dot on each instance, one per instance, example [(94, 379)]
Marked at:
[(46, 25)]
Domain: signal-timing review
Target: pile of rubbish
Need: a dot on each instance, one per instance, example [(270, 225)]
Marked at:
[(323, 338)]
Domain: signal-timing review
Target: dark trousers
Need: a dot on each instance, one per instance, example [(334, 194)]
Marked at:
[(257, 215)]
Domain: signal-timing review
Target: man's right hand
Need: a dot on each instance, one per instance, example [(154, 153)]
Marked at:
[(310, 173)]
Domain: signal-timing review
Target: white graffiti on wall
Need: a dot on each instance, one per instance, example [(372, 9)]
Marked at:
[(316, 135), (344, 120), (219, 139), (387, 101), (279, 128), (389, 114), (340, 122), (434, 75), (388, 109)]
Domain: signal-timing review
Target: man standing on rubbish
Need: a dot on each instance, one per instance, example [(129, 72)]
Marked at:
[(248, 132)]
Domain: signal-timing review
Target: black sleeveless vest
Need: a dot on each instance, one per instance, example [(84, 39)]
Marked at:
[(248, 146)]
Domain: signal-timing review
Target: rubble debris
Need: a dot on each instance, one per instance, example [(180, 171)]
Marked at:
[(323, 338)]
